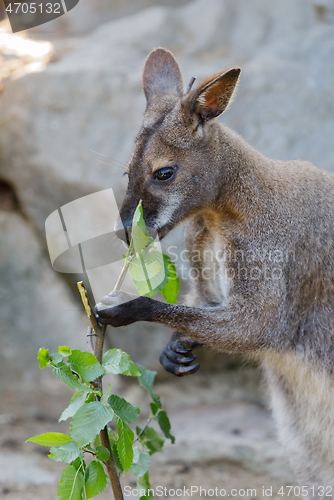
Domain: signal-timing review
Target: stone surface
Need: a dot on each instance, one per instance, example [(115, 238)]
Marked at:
[(36, 307), (53, 116), (224, 434), (88, 14), (67, 128), (18, 468), (235, 432), (219, 418)]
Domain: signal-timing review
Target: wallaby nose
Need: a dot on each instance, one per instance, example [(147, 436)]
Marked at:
[(123, 231)]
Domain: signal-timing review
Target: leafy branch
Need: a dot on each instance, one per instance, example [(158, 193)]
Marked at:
[(91, 411)]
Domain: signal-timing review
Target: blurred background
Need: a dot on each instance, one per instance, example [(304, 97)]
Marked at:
[(71, 104)]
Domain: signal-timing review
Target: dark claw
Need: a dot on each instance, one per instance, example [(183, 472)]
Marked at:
[(173, 360), (102, 321), (176, 357), (182, 350), (182, 347), (186, 370), (178, 370)]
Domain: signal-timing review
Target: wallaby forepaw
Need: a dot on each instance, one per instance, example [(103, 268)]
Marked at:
[(121, 309), (176, 358)]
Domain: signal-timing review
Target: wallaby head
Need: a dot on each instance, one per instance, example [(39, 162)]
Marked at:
[(174, 169)]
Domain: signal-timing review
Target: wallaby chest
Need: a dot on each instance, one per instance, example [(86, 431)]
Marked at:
[(208, 257)]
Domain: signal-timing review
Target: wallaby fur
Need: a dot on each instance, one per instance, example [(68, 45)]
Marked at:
[(262, 234)]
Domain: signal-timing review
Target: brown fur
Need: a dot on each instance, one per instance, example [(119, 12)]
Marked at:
[(271, 223)]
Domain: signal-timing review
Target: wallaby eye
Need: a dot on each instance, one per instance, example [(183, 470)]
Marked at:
[(164, 173)]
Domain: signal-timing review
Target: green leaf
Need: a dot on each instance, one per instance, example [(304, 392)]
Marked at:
[(85, 365), (156, 399), (149, 272), (172, 287), (114, 450), (143, 485), (146, 379), (140, 238), (88, 421), (71, 484), (154, 408), (124, 444), (164, 424), (124, 410), (127, 366), (50, 439), (138, 216), (79, 464), (107, 394), (43, 357), (63, 372), (97, 441), (95, 479), (139, 234), (78, 399), (56, 358), (111, 361), (66, 453), (141, 462), (153, 261), (117, 362), (102, 453), (152, 440), (64, 350)]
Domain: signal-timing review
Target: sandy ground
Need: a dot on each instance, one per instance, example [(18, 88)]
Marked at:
[(195, 404)]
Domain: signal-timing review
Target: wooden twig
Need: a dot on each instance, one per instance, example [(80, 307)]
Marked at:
[(89, 311), (143, 430), (98, 352), (123, 273), (90, 335)]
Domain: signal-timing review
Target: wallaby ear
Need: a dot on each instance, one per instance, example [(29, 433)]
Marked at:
[(161, 75), (213, 95)]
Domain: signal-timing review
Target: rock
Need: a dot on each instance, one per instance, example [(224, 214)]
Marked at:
[(17, 51), (67, 128), (237, 432), (53, 116), (19, 468), (36, 307), (88, 14)]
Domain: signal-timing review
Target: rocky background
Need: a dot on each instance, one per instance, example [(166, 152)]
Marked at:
[(71, 92)]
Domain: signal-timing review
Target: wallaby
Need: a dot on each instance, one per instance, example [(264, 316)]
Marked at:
[(269, 226)]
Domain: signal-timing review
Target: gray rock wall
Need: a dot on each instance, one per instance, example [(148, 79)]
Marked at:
[(36, 307), (52, 116)]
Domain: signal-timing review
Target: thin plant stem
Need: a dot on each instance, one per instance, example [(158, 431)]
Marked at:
[(143, 430), (98, 352), (90, 335), (123, 273), (99, 331)]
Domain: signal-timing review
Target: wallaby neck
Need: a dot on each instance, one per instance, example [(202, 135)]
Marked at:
[(242, 173)]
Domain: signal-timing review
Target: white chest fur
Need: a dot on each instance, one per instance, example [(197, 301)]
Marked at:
[(216, 278)]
